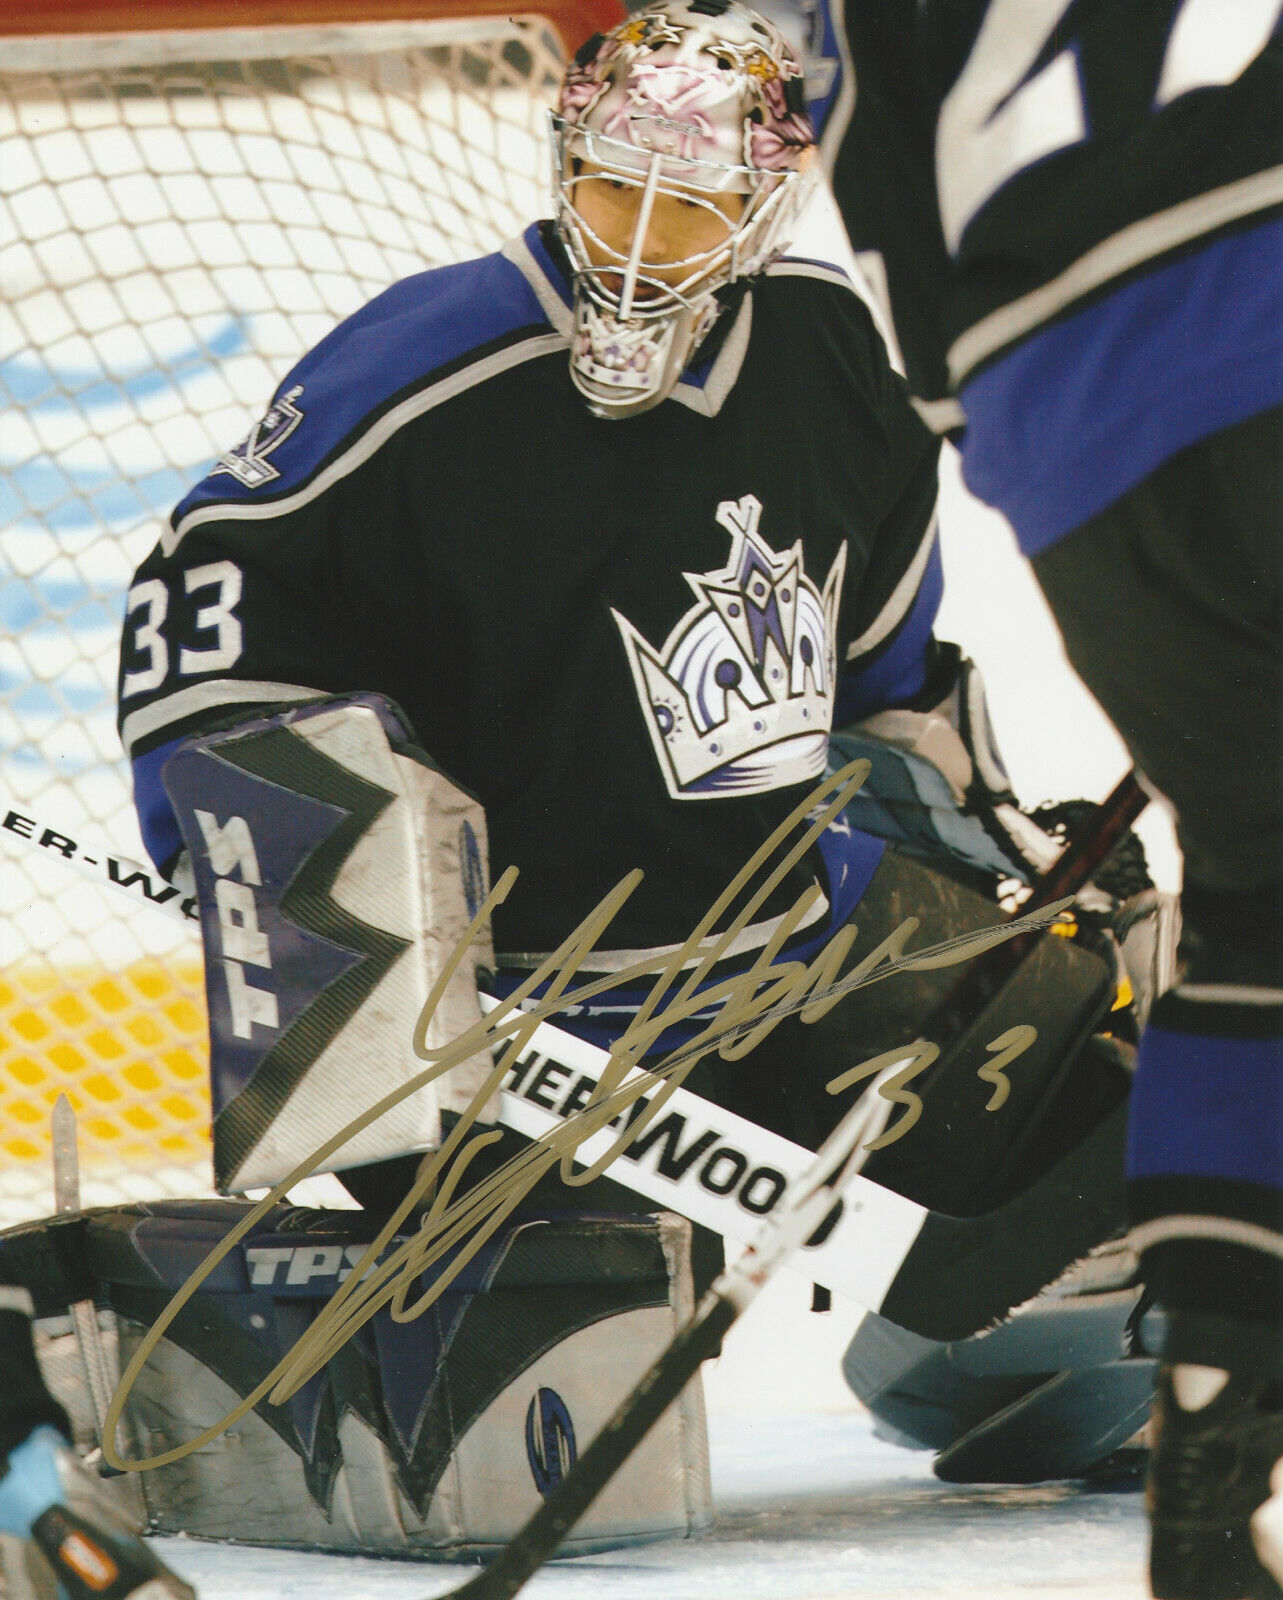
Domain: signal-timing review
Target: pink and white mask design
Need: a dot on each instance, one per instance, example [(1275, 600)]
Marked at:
[(678, 144), (675, 108)]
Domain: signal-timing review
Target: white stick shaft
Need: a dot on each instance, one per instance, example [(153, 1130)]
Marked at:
[(737, 1176)]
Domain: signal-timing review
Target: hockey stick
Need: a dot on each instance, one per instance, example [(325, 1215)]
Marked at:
[(938, 1275), (106, 869), (809, 1201)]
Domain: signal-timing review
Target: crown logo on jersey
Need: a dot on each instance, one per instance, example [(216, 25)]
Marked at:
[(740, 698)]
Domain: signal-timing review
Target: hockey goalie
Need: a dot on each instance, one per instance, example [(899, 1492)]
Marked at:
[(592, 555)]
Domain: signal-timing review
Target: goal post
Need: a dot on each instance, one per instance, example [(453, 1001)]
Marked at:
[(187, 204), (223, 21)]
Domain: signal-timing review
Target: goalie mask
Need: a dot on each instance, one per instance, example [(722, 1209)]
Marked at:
[(677, 145)]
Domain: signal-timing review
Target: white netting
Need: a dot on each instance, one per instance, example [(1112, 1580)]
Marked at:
[(172, 236)]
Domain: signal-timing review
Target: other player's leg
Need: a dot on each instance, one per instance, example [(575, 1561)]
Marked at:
[(1170, 607)]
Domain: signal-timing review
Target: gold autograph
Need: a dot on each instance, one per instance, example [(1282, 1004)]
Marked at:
[(756, 1001)]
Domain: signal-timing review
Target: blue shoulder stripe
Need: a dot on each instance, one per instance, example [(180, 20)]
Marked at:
[(898, 670), (1075, 415), (418, 331)]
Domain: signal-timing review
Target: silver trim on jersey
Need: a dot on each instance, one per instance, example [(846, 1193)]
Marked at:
[(1229, 994), (748, 939), (902, 597), (939, 415), (709, 399), (558, 313), (1226, 1230), (204, 697), (372, 440), (1131, 247), (797, 267)]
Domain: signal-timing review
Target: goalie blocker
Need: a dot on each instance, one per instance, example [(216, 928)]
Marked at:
[(336, 870)]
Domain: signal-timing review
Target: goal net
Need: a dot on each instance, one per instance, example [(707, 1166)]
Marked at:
[(182, 214)]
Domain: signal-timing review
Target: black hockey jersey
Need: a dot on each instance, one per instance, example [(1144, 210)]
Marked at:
[(628, 638), (1077, 204)]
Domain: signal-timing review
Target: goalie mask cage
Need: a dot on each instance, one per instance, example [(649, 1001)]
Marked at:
[(187, 204)]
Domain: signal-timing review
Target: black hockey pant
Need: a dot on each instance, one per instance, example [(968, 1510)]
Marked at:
[(1170, 606)]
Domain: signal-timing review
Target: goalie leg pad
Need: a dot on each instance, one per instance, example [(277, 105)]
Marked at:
[(1062, 1429), (425, 1439), (336, 869)]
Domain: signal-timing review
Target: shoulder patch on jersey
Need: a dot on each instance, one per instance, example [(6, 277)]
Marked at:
[(248, 461), (522, 348), (409, 349), (740, 698)]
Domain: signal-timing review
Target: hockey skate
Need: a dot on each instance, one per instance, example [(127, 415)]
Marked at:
[(1061, 1388), (68, 1543), (1209, 1475)]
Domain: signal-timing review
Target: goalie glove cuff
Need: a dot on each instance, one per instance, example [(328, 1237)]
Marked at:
[(948, 724)]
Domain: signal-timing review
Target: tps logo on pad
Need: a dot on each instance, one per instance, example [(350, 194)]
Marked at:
[(550, 1440)]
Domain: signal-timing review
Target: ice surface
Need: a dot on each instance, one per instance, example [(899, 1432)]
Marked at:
[(811, 1507)]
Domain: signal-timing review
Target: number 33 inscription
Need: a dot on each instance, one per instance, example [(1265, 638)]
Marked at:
[(152, 598), (917, 1057)]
